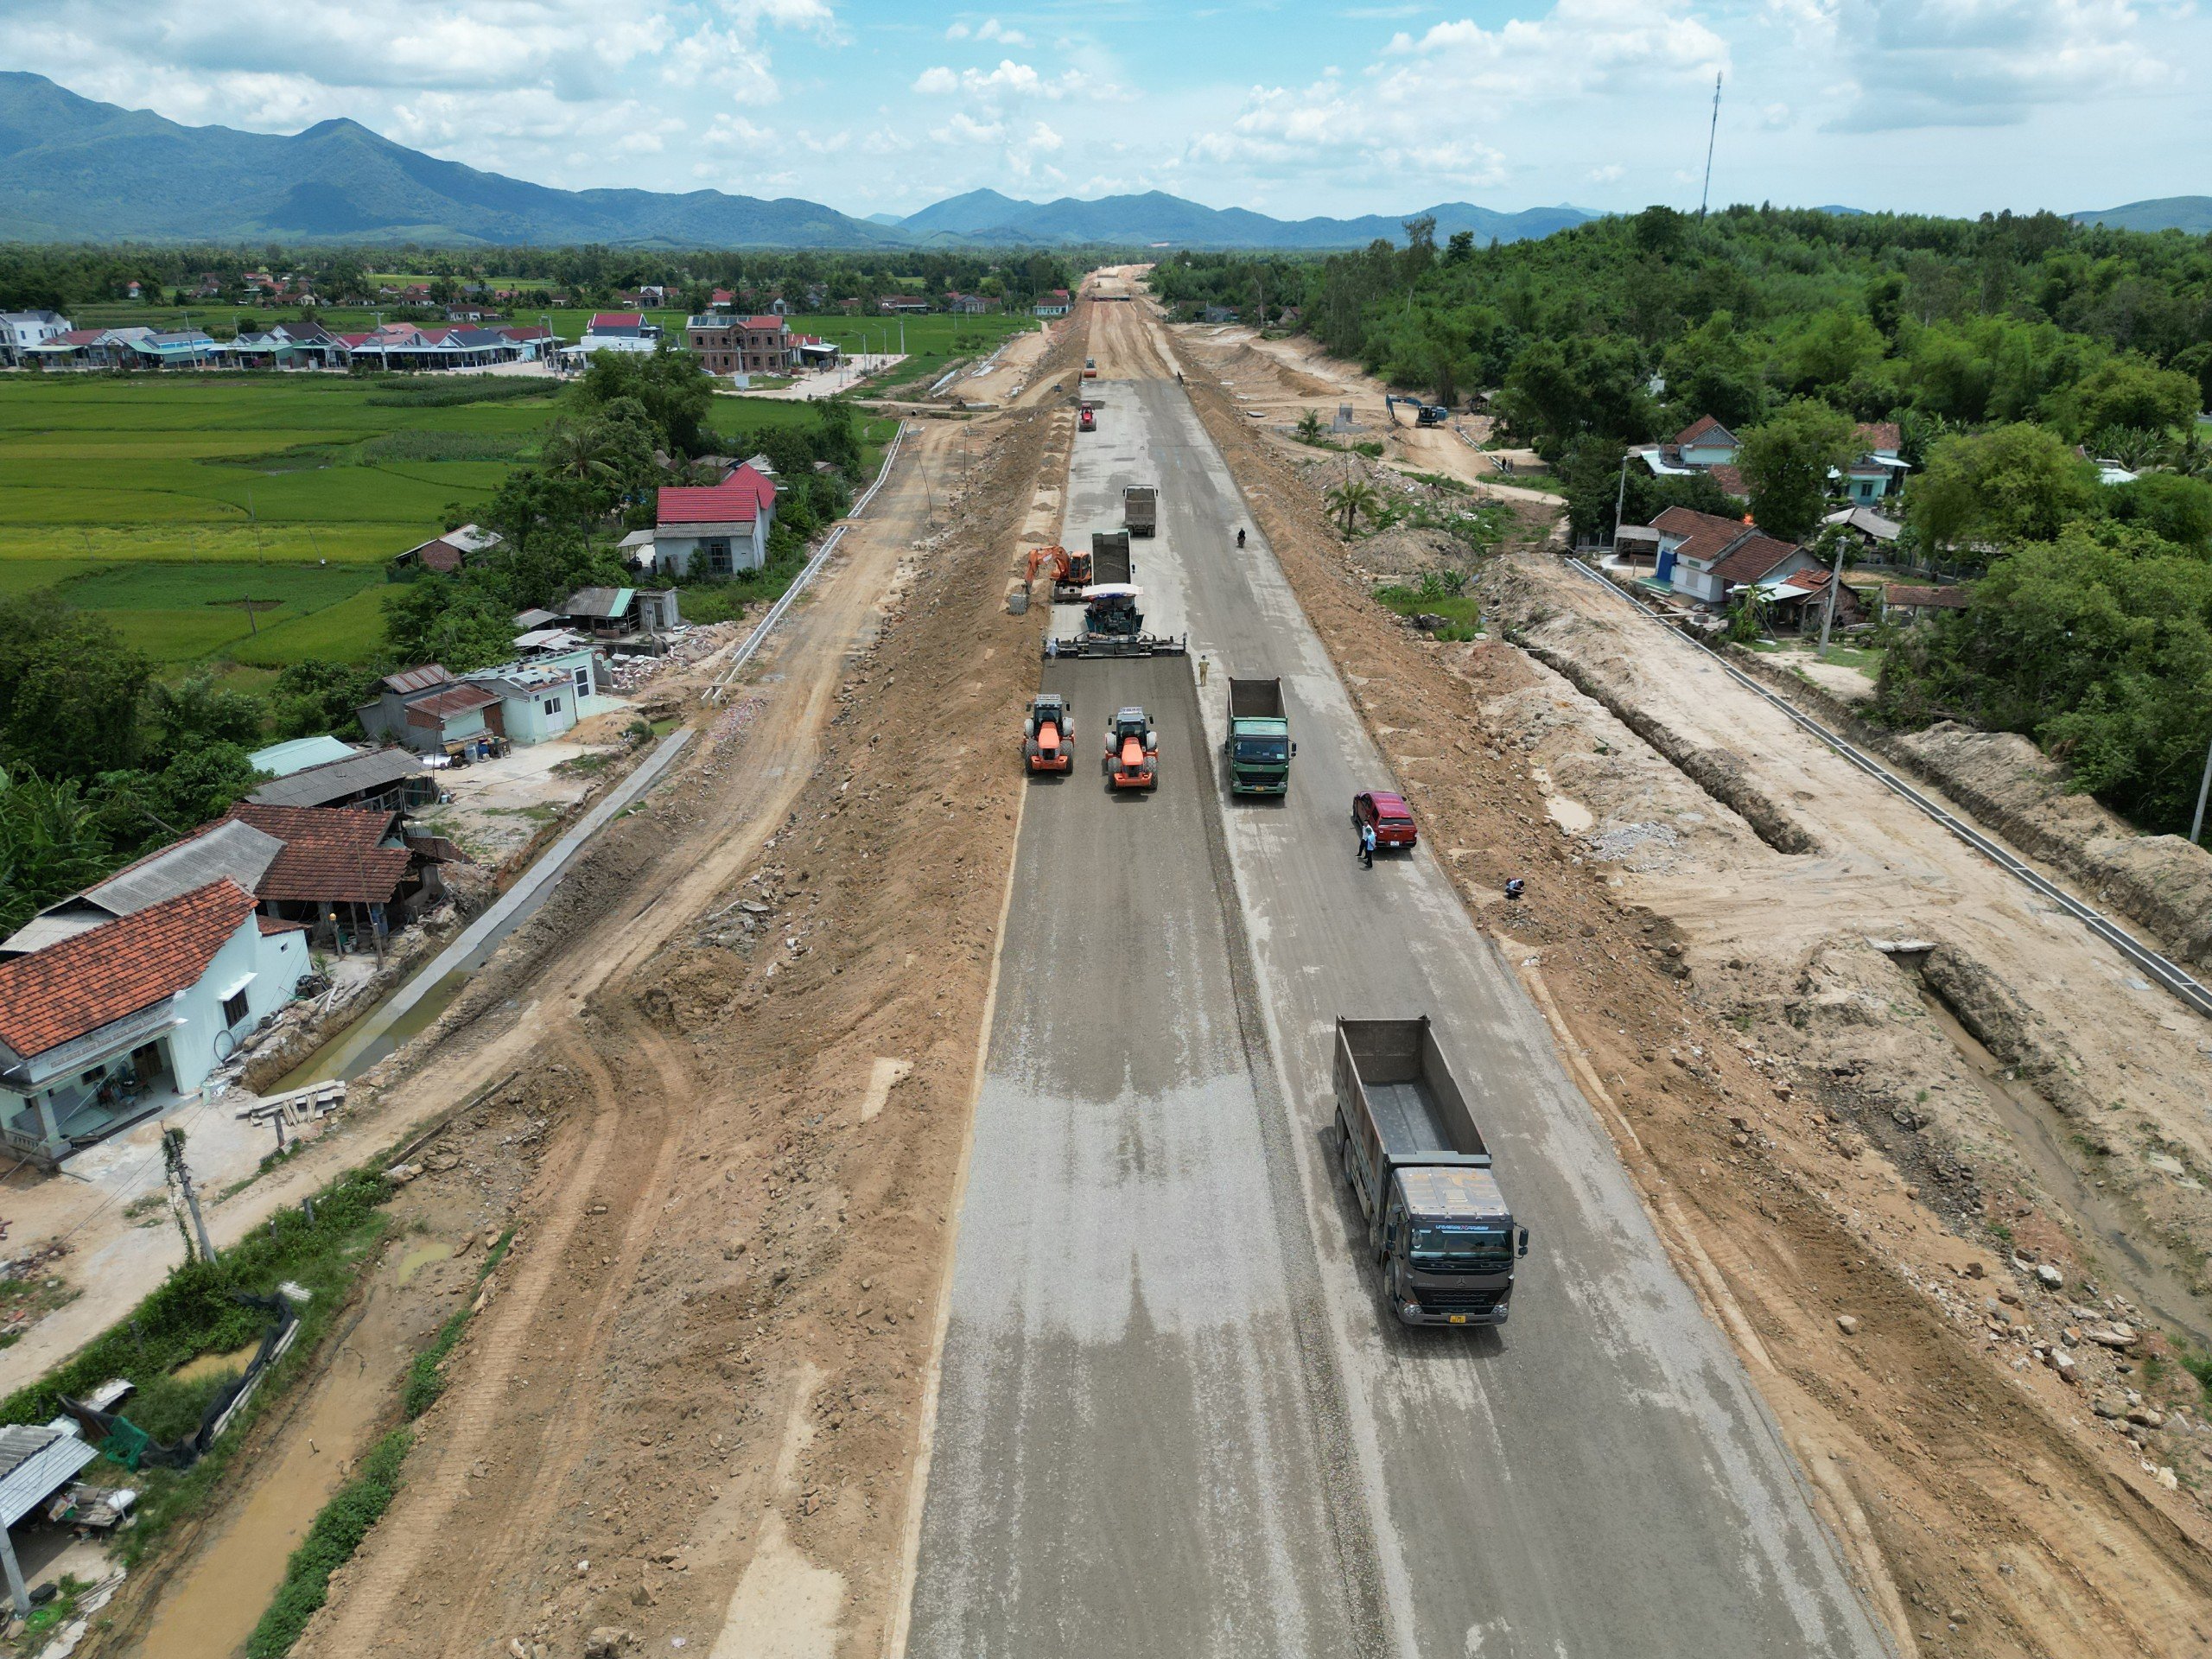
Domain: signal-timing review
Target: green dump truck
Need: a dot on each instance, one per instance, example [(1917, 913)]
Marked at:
[(1258, 745)]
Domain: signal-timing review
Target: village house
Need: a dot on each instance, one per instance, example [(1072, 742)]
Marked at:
[(719, 531), (125, 1019), (1878, 471), (428, 710), (443, 555), (902, 305), (729, 344), (22, 331), (613, 331), (1054, 304), (1704, 559), (1910, 606), (627, 620), (1704, 446), (969, 305), (393, 778)]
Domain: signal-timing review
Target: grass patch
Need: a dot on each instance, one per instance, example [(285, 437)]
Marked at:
[(48, 1620), (1440, 592), (447, 391), (351, 631), (337, 1532), (448, 445), (426, 1377), (194, 1312)]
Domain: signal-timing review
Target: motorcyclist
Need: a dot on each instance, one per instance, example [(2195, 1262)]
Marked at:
[(1240, 534)]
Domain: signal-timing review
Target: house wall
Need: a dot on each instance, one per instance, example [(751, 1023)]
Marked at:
[(748, 546), (275, 961), (1709, 454)]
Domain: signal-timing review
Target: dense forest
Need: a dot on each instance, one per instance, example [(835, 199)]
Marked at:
[(66, 278), (2014, 354)]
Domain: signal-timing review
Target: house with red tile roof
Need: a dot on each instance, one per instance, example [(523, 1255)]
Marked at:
[(718, 531), (1878, 471), (125, 1019), (1704, 559), (1054, 304)]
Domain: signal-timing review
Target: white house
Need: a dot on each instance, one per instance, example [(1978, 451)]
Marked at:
[(719, 531), (1054, 304), (613, 331), (1706, 558), (126, 1019), (1878, 473), (20, 331)]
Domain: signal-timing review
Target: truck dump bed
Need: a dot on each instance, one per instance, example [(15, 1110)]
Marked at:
[(1140, 509), (1393, 1070), (1110, 557), (1257, 700)]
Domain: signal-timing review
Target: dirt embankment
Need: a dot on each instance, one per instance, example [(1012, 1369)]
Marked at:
[(2162, 882), (1946, 1400)]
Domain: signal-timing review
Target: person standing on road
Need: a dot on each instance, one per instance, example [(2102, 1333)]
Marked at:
[(1367, 845), (1203, 665)]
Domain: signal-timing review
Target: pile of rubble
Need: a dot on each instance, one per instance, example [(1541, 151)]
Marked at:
[(686, 645)]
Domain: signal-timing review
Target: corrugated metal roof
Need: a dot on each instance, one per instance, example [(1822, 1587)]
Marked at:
[(237, 850), (37, 1462), (282, 759), (605, 602), (63, 922), (417, 679), (317, 784)]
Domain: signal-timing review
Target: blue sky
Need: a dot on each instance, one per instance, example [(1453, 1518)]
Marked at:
[(1294, 109)]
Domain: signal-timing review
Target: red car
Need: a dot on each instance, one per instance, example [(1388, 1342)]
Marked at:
[(1392, 819)]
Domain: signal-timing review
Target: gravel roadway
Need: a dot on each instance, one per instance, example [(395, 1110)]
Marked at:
[(1174, 1419)]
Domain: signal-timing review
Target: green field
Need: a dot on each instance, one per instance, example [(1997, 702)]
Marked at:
[(166, 502)]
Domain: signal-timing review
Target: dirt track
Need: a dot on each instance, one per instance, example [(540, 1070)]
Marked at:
[(1990, 1510)]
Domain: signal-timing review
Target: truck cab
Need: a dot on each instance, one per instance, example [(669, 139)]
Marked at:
[(1448, 1246)]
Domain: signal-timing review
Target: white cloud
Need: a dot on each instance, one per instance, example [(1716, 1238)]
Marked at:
[(1419, 111), (1043, 137), (1009, 80), (989, 29), (1611, 173), (1972, 63)]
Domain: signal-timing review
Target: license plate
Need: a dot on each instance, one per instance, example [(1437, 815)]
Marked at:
[(1459, 1318)]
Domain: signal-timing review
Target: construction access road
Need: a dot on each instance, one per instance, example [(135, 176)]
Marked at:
[(1174, 1417)]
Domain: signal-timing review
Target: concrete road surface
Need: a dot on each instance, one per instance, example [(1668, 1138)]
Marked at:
[(1175, 1419)]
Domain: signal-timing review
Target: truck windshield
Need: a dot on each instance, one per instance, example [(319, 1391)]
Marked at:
[(1262, 751), (1462, 1249)]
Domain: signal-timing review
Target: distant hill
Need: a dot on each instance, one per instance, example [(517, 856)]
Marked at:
[(986, 215), (81, 170), (2192, 214)]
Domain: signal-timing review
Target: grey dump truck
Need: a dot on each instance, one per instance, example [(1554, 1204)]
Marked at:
[(1140, 510), (1437, 1225), (1259, 737)]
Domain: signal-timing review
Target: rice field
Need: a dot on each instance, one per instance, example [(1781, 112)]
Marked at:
[(232, 519)]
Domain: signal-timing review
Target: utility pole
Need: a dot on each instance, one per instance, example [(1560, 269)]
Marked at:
[(1712, 133), (181, 1174), (2196, 827), (1620, 505), (1828, 616)]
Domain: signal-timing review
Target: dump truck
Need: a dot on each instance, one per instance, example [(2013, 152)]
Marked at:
[(1132, 750), (1140, 509), (1437, 1225), (1046, 728), (1258, 745), (1110, 560)]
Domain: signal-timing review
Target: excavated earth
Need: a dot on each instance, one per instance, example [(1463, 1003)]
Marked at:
[(719, 1089), (1871, 1164)]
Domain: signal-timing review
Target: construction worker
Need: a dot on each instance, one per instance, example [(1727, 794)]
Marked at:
[(1202, 671)]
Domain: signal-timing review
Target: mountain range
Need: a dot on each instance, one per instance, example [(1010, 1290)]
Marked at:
[(2191, 214), (985, 215), (79, 171)]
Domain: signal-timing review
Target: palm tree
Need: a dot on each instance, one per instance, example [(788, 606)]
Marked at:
[(576, 452), (1309, 426), (1355, 498)]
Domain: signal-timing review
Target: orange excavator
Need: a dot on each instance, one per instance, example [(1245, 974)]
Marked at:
[(1132, 751), (1046, 731), (1070, 571)]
